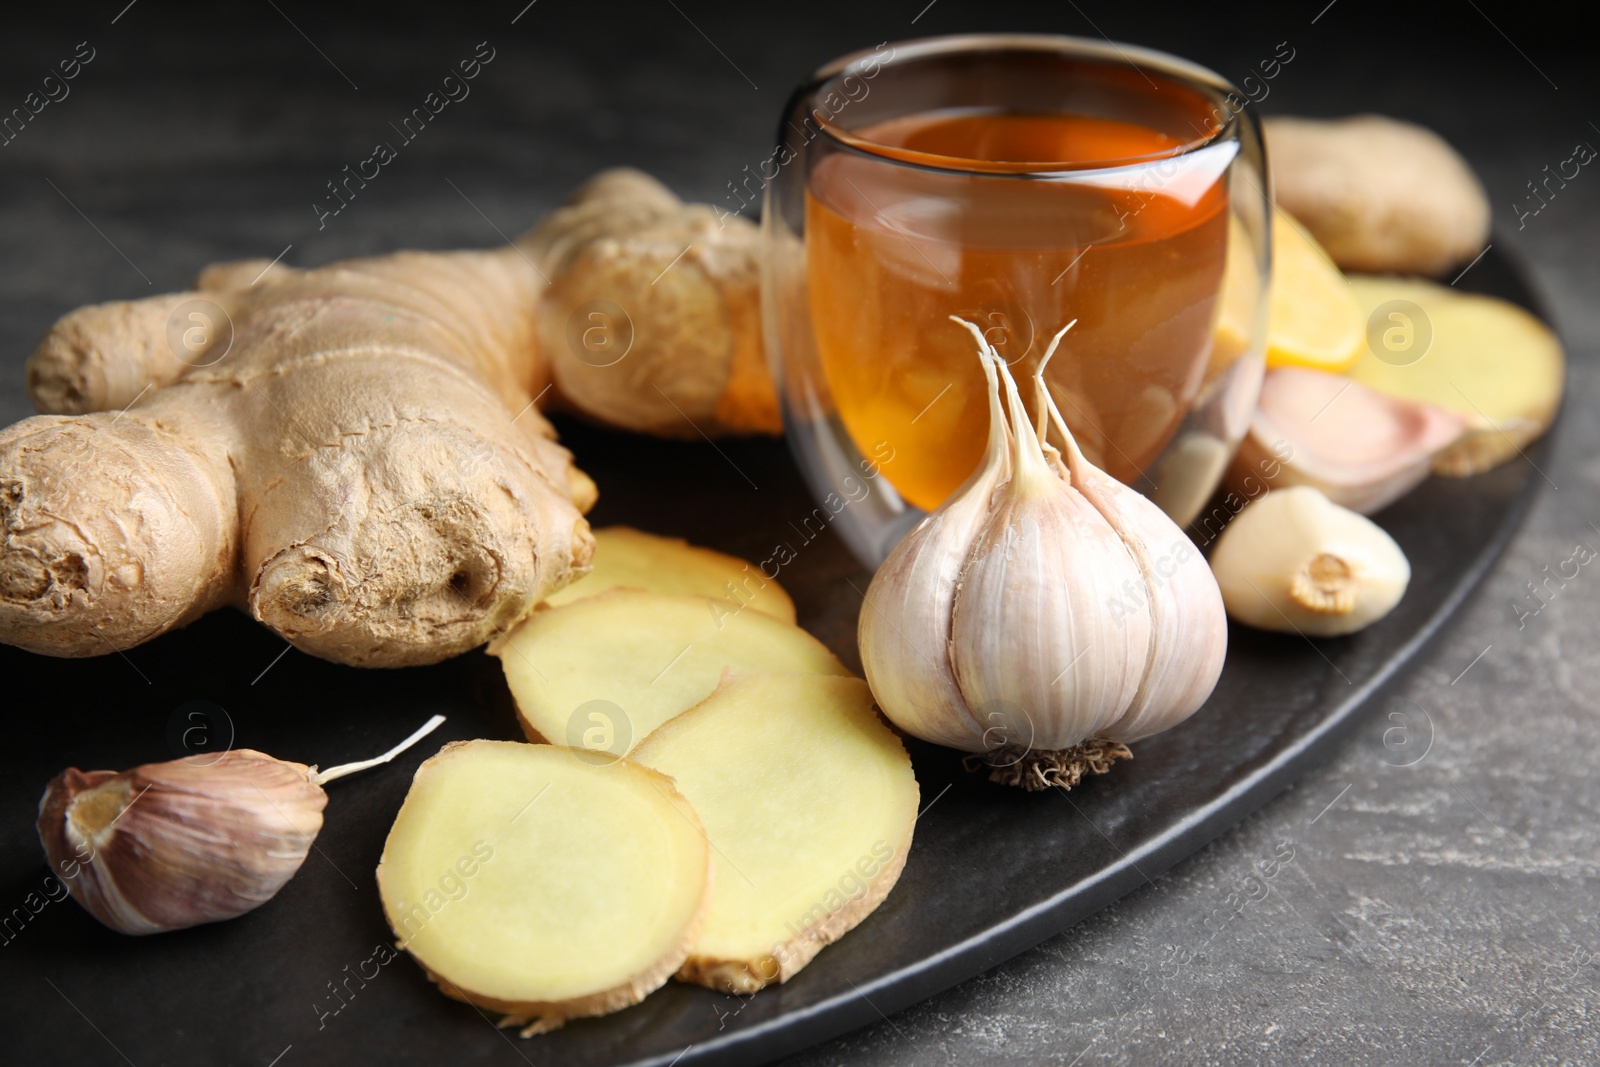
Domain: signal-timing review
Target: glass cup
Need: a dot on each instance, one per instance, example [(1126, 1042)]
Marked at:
[(926, 179)]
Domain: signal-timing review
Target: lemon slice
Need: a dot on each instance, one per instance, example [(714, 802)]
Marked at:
[(1237, 304), (1313, 317)]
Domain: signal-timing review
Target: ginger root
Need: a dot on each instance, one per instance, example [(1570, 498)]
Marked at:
[(352, 452), (1379, 194), (633, 270)]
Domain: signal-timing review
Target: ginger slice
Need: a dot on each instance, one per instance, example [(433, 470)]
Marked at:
[(1488, 360), (532, 881), (602, 672), (632, 559), (809, 802)]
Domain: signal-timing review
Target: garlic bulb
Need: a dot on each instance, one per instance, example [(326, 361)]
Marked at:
[(169, 845), (1297, 562), (1045, 614)]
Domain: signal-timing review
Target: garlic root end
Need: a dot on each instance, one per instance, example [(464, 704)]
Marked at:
[(1326, 586), (1035, 770)]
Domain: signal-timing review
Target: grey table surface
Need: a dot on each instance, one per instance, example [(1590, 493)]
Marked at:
[(1440, 903)]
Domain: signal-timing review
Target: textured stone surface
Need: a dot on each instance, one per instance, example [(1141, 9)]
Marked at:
[(1439, 905)]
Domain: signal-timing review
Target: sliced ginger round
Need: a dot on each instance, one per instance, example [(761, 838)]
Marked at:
[(1485, 358), (533, 881), (604, 671), (632, 559), (809, 802), (1313, 319)]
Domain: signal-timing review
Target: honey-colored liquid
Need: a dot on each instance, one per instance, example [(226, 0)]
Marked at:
[(1136, 256)]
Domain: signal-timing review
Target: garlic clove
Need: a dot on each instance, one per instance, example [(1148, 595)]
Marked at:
[(1036, 652), (1189, 628), (1361, 448), (904, 631), (1294, 561), (169, 845)]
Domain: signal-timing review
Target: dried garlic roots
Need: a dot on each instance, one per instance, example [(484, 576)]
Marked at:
[(632, 559), (809, 802), (624, 662), (534, 881)]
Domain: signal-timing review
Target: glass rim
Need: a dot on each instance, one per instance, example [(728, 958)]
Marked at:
[(1186, 73)]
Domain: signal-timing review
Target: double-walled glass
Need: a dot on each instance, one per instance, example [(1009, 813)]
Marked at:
[(877, 230)]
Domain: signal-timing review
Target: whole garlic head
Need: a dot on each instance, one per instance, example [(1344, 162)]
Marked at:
[(1045, 613), (169, 845), (1297, 562)]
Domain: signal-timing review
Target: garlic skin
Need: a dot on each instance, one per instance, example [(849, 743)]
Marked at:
[(905, 647), (1189, 626), (1072, 613), (1361, 448), (169, 845), (1294, 561)]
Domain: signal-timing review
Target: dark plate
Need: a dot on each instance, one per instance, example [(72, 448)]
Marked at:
[(992, 871)]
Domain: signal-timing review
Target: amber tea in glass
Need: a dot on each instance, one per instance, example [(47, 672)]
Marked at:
[(1020, 183)]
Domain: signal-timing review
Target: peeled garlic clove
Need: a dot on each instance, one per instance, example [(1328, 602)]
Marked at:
[(1188, 627), (1038, 655), (169, 845), (904, 632), (1361, 448), (1297, 562)]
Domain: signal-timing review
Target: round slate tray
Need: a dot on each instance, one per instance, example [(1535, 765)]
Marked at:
[(991, 873)]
